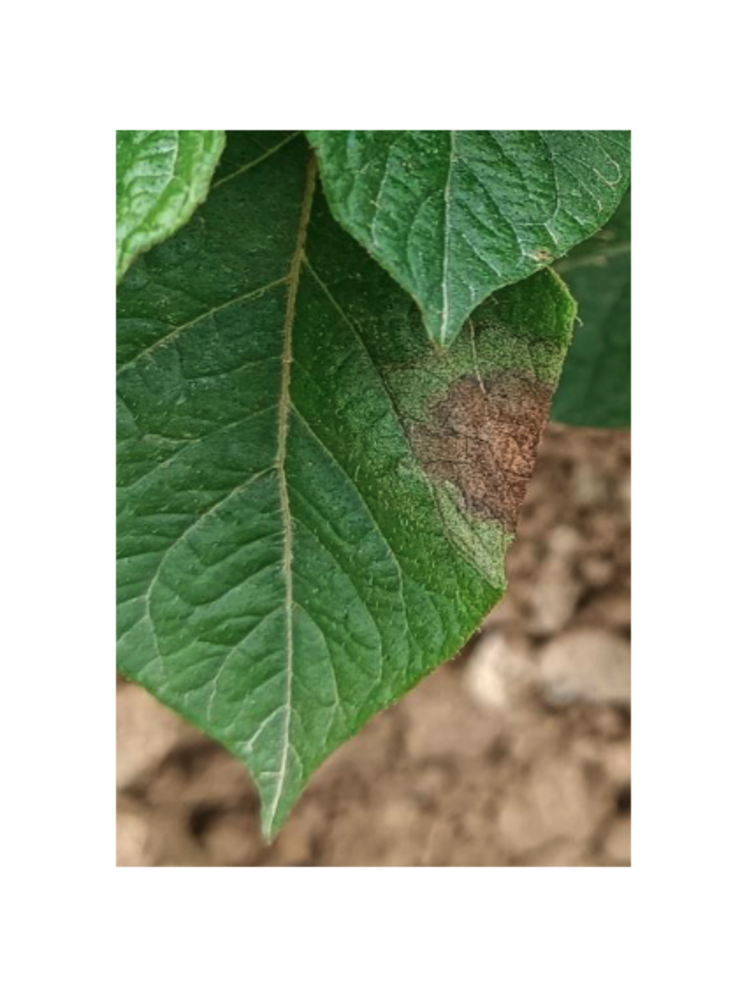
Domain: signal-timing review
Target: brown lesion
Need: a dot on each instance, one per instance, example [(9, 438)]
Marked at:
[(482, 437)]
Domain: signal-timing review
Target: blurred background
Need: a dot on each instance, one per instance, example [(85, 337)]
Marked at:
[(515, 753)]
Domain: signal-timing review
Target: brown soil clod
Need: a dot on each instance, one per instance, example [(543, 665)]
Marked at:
[(482, 437)]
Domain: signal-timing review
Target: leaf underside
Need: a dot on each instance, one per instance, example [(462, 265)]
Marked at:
[(594, 388), (314, 504), (161, 178), (456, 215)]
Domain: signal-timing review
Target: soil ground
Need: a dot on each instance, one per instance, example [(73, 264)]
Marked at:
[(516, 753)]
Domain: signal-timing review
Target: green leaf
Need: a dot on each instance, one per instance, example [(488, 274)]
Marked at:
[(454, 216), (161, 178), (314, 504), (594, 389)]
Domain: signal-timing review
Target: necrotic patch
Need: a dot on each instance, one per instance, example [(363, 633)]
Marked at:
[(482, 437)]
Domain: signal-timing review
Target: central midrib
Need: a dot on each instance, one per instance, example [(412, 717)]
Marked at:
[(287, 522), (445, 271)]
